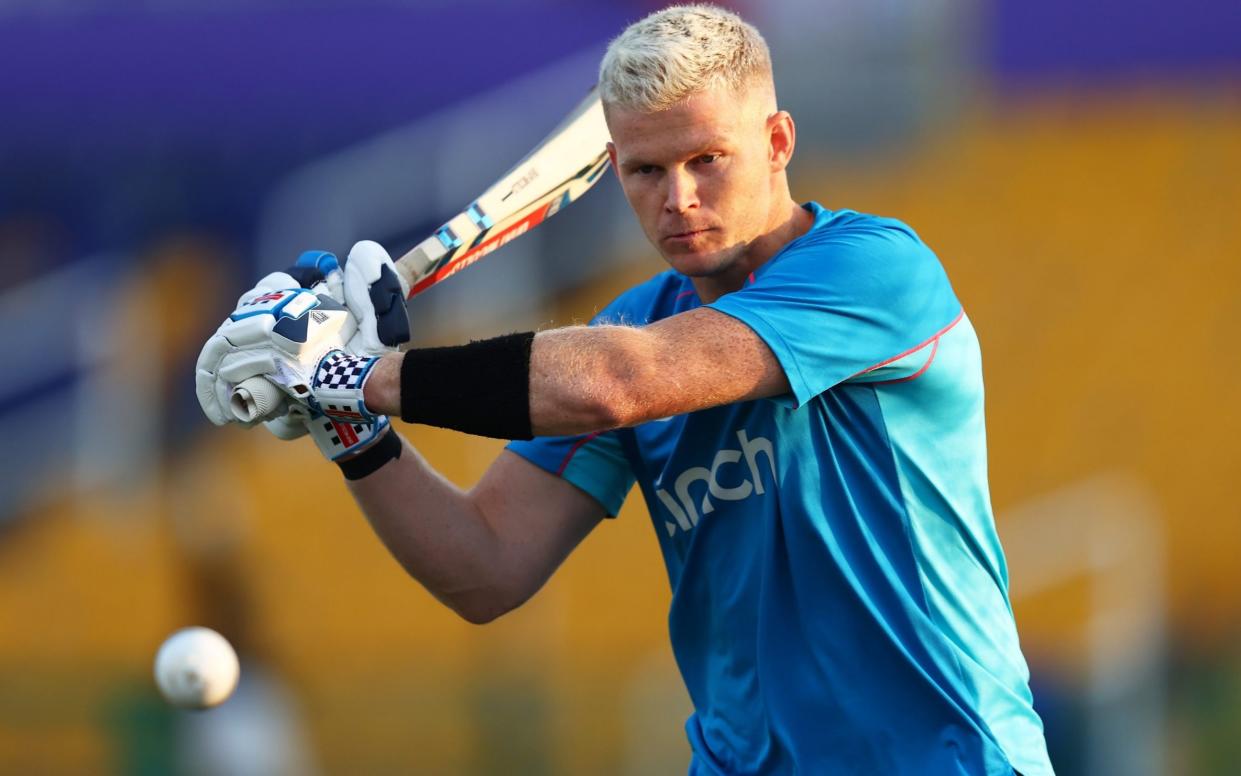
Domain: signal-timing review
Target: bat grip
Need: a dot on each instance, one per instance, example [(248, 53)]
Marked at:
[(253, 398)]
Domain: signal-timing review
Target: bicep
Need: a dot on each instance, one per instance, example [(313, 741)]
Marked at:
[(538, 517), (713, 359)]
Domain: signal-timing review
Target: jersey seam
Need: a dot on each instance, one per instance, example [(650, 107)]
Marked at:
[(921, 371), (934, 337), (907, 524), (564, 464)]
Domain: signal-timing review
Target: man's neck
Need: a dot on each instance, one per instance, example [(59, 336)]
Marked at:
[(795, 222)]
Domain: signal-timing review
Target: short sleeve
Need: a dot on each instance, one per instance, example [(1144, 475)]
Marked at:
[(843, 301), (594, 463)]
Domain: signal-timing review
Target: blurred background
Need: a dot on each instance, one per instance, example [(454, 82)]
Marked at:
[(1077, 166)]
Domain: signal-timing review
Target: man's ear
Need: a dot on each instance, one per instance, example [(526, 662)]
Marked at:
[(612, 157), (782, 137)]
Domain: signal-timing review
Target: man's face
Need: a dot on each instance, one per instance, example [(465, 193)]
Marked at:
[(699, 176)]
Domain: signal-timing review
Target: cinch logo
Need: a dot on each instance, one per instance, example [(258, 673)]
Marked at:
[(683, 508)]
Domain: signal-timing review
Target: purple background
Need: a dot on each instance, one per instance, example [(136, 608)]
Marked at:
[(1057, 41)]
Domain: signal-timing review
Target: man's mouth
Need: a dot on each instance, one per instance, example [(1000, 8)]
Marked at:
[(687, 234)]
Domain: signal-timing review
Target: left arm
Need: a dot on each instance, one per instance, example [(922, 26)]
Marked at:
[(585, 379)]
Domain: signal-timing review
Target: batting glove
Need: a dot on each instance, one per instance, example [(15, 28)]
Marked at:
[(374, 292), (278, 331), (369, 286)]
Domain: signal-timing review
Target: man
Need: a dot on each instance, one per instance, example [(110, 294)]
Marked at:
[(799, 398)]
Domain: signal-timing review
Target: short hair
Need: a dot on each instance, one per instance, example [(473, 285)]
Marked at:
[(678, 52)]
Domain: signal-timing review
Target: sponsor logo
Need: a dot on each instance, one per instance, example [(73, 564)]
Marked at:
[(500, 240), (522, 182), (270, 296), (740, 466), (348, 437)]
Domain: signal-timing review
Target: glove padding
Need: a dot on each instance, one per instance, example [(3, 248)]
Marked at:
[(278, 331), (335, 413), (369, 286), (375, 293), (336, 439), (303, 327)]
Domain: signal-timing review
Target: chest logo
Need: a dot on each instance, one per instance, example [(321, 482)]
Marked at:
[(729, 466)]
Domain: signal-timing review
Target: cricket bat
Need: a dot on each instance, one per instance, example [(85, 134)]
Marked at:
[(559, 170)]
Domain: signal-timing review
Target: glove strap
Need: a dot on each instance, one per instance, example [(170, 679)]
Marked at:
[(339, 441), (372, 458), (337, 387)]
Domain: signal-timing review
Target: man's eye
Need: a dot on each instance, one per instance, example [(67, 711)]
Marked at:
[(708, 158), (645, 169)]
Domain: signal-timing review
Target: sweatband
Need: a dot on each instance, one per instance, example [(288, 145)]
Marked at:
[(369, 460), (482, 388)]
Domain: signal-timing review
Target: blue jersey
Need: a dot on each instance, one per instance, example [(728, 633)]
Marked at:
[(840, 597)]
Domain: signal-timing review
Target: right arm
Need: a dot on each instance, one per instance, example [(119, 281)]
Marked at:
[(484, 551)]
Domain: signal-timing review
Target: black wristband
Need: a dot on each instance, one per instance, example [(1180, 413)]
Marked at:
[(482, 388), (369, 460)]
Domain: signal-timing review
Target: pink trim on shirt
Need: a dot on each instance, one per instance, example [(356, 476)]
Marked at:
[(683, 294), (930, 340), (573, 451), (919, 373)]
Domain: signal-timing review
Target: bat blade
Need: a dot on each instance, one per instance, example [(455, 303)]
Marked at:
[(563, 167)]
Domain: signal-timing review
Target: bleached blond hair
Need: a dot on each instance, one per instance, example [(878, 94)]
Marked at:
[(678, 52)]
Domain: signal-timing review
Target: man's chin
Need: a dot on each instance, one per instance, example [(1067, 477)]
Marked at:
[(701, 264)]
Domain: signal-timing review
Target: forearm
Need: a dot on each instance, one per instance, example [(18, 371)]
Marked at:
[(437, 533), (581, 379)]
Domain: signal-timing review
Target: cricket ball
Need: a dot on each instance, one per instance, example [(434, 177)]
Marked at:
[(196, 668)]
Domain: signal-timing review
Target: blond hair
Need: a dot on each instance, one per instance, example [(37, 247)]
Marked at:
[(678, 52)]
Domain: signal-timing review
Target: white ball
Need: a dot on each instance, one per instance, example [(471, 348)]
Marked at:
[(196, 668)]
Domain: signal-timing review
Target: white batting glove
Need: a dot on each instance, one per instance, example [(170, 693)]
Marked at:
[(336, 439), (320, 383), (375, 293), (369, 285), (277, 331)]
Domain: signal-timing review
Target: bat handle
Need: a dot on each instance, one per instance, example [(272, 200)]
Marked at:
[(253, 398)]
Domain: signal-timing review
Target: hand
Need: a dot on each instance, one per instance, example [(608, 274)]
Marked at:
[(335, 413), (336, 439), (375, 293), (369, 287), (335, 417), (278, 330)]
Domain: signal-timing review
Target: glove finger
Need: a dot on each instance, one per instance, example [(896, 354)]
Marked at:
[(391, 316), (320, 272), (365, 259), (222, 390), (239, 365), (204, 385), (375, 293), (287, 427), (248, 331), (214, 350)]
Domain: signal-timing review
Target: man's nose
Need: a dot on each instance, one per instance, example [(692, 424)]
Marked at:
[(682, 192)]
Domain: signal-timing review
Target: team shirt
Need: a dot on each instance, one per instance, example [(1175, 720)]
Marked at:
[(839, 594)]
